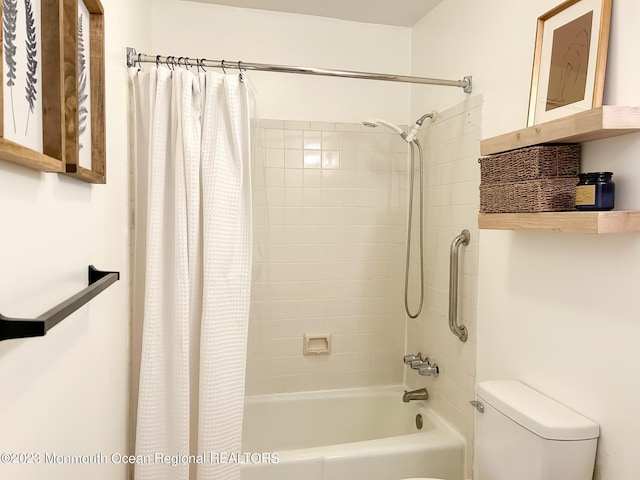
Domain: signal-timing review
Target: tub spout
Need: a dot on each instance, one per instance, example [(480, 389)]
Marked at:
[(420, 394)]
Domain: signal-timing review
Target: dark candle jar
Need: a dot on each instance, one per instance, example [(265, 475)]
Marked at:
[(595, 191)]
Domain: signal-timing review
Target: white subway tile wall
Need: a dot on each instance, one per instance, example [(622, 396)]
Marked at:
[(452, 176), (329, 231), (330, 212)]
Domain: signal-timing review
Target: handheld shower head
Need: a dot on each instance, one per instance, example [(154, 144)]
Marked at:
[(376, 122), (411, 136), (371, 123)]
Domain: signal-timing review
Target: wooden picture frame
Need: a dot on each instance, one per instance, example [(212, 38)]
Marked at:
[(84, 90), (47, 88), (569, 60)]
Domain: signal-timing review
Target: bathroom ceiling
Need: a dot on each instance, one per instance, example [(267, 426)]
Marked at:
[(404, 13)]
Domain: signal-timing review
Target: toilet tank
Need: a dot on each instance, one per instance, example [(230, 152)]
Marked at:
[(525, 435)]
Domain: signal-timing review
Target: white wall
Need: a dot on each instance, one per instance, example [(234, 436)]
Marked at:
[(67, 392), (559, 312), (221, 32)]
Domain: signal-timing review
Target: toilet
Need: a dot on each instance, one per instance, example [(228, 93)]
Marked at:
[(522, 434)]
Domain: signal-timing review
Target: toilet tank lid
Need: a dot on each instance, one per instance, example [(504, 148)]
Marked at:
[(536, 412)]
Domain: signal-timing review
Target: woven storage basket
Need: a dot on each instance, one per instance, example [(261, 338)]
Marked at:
[(531, 163), (543, 195)]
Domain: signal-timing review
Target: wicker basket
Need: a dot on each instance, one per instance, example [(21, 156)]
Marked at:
[(543, 195), (531, 163)]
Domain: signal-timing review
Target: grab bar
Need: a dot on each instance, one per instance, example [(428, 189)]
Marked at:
[(37, 327), (459, 331)]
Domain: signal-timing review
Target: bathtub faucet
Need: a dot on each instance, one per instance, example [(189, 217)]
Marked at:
[(419, 394)]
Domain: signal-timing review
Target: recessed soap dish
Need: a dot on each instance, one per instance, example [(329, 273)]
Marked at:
[(317, 344)]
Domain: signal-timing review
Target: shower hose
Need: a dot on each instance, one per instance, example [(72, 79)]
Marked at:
[(409, 229)]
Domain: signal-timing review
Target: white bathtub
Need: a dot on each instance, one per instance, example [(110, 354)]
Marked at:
[(355, 434)]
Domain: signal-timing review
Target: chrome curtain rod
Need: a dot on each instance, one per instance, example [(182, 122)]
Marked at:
[(134, 58)]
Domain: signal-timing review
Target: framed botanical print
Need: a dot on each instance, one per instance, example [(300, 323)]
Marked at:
[(52, 95), (31, 105), (85, 154)]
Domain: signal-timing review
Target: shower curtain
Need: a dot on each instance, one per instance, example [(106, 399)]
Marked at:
[(192, 269)]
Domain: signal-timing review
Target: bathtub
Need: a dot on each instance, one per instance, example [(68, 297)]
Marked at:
[(352, 434)]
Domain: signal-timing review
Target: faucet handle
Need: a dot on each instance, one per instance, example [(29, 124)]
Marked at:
[(422, 362), (429, 370), (411, 358)]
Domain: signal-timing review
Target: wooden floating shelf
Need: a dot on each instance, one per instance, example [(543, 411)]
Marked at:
[(594, 124), (564, 222)]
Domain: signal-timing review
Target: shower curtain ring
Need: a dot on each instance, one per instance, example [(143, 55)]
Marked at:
[(187, 63), (241, 76), (223, 69), (157, 61), (139, 62)]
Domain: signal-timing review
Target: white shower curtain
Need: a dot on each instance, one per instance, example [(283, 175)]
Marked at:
[(192, 154)]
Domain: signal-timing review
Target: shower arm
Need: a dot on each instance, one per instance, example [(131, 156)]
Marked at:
[(412, 136)]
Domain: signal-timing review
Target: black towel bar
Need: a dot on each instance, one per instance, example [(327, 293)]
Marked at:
[(37, 327)]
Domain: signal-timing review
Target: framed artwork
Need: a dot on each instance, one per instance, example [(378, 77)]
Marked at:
[(569, 60), (84, 142), (52, 95), (31, 105)]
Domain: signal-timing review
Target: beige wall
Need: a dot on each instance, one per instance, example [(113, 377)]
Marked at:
[(559, 312), (67, 393)]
